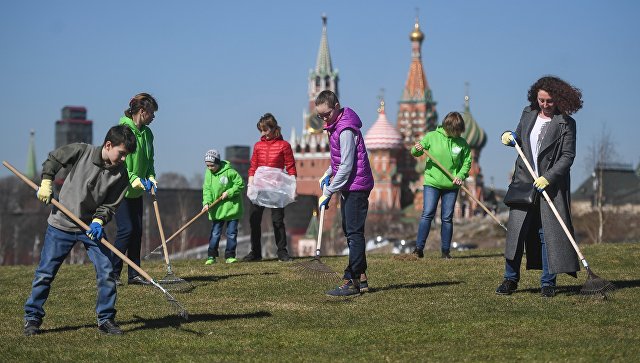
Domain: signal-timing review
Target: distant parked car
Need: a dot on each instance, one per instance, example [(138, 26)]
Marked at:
[(372, 244), (463, 246), (403, 246)]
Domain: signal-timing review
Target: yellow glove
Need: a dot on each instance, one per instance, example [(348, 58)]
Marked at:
[(541, 183), (323, 201), (137, 184), (44, 192), (155, 183), (508, 138)]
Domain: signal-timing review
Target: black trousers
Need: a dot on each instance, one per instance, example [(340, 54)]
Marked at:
[(129, 235), (255, 221)]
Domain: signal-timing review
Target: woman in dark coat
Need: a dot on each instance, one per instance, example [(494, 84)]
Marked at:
[(547, 135)]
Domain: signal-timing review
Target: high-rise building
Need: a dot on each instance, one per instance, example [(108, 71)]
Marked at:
[(73, 126), (240, 159)]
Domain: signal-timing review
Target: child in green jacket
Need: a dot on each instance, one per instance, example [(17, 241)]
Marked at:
[(452, 151), (222, 185)]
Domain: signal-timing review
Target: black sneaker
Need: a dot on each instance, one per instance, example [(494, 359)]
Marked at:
[(348, 288), (138, 280), (418, 253), (548, 291), (446, 256), (252, 257), (110, 327), (507, 287), (285, 258), (31, 327)]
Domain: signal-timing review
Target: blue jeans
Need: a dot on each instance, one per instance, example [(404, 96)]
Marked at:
[(57, 245), (353, 209), (232, 240), (129, 235), (512, 267), (430, 197)]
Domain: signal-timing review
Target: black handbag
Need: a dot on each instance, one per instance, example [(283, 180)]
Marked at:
[(521, 195)]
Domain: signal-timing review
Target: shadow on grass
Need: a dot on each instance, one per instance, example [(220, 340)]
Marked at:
[(575, 289), (480, 256), (213, 278), (170, 321), (176, 322), (421, 285)]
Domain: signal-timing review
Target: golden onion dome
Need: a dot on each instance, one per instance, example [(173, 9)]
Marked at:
[(416, 34)]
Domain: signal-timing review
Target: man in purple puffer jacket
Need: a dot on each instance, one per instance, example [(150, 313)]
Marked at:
[(352, 177)]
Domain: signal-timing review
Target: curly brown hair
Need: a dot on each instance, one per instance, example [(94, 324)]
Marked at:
[(567, 99)]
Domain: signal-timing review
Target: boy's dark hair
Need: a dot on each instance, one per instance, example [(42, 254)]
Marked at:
[(328, 97), (453, 124), (119, 135), (268, 121), (140, 101)]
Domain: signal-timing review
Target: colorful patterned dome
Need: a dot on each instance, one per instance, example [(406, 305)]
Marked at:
[(383, 135), (473, 133)]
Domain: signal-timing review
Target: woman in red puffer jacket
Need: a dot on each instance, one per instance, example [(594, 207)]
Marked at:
[(274, 152)]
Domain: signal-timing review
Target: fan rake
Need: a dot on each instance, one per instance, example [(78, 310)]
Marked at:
[(170, 280), (181, 311), (314, 267)]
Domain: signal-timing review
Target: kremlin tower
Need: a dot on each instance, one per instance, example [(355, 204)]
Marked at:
[(416, 116), (384, 143)]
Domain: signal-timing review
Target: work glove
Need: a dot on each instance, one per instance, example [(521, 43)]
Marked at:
[(44, 192), (137, 184), (323, 201), (325, 180), (541, 183), (95, 231), (509, 138), (153, 180)]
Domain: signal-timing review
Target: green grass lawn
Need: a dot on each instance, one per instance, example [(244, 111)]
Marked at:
[(426, 310)]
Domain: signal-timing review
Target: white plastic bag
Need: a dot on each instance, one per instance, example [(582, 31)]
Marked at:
[(272, 188)]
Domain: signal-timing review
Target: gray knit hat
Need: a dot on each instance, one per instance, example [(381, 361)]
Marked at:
[(212, 156)]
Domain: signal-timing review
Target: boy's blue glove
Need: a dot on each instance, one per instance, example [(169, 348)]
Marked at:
[(153, 181), (147, 184), (509, 138), (323, 201), (95, 231), (325, 180)]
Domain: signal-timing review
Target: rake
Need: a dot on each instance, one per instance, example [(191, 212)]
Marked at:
[(182, 312), (156, 251), (170, 280), (465, 189), (314, 267), (595, 286)]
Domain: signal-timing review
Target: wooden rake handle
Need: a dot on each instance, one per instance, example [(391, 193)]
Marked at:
[(465, 189), (159, 221), (79, 222), (552, 206)]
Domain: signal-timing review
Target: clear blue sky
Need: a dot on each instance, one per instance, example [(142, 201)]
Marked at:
[(215, 67)]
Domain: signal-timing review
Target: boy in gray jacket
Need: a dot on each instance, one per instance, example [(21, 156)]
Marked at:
[(96, 184)]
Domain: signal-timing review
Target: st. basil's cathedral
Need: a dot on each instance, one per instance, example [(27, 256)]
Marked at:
[(397, 174)]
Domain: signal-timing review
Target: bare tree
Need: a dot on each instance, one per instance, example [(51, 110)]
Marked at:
[(599, 154), (173, 180)]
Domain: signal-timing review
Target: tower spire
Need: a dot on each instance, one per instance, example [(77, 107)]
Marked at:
[(323, 62), (30, 171)]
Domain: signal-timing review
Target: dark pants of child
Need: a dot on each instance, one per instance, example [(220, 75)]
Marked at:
[(129, 235), (255, 221), (353, 208), (57, 245)]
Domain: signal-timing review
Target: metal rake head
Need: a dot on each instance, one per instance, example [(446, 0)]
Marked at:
[(172, 282), (175, 305), (597, 287), (316, 269)]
